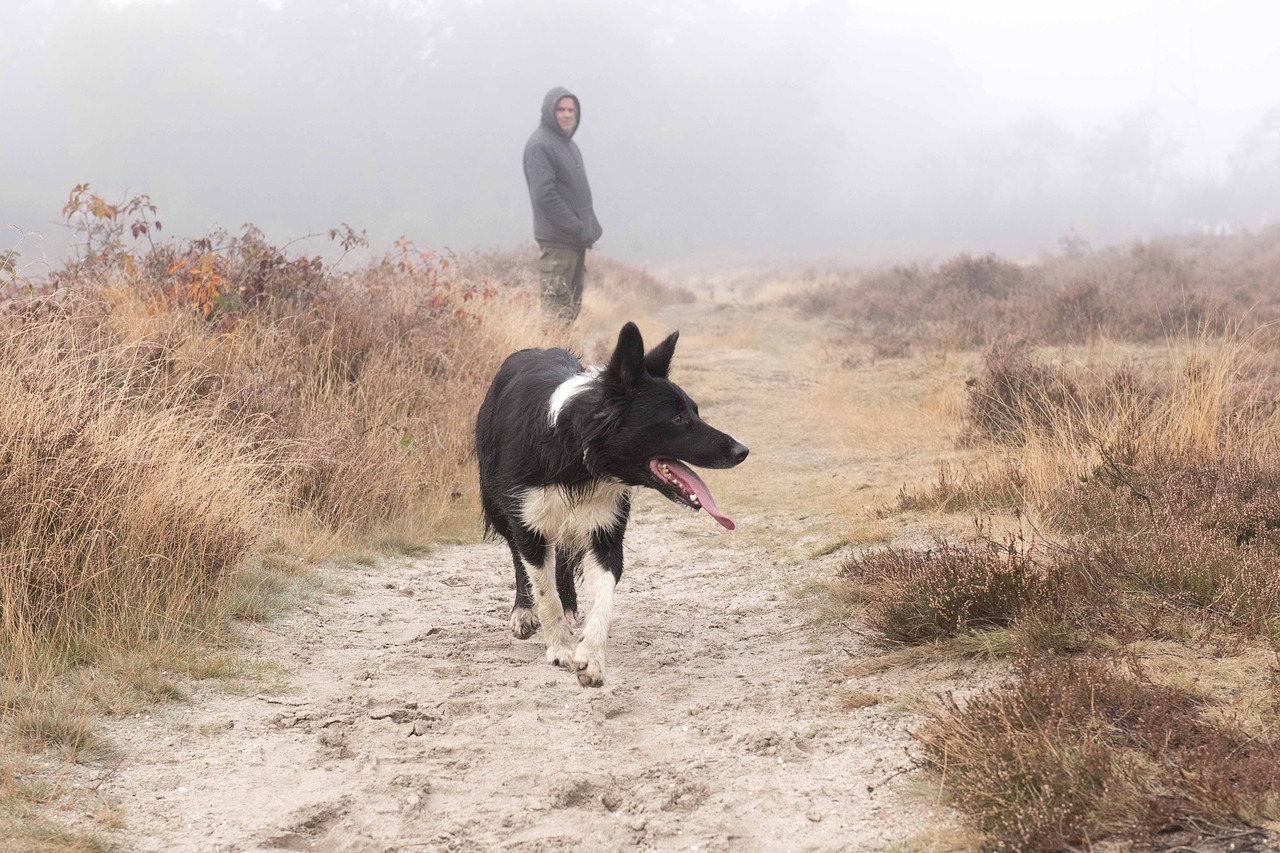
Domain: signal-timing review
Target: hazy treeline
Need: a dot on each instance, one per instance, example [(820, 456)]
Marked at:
[(711, 129)]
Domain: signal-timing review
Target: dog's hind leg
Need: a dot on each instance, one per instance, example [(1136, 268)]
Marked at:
[(524, 622), (601, 568), (568, 564)]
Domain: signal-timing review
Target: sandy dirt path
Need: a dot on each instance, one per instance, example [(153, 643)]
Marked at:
[(411, 720)]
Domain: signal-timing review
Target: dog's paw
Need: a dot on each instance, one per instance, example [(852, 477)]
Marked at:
[(589, 669), (524, 622), (560, 656)]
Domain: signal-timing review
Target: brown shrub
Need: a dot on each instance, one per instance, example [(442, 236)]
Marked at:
[(515, 268), (1204, 535), (965, 280), (1077, 311), (1143, 291), (917, 597), (146, 443), (625, 283), (615, 280), (357, 397), (1074, 751), (965, 302), (1018, 394)]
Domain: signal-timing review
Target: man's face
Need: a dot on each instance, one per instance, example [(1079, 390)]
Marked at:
[(566, 114)]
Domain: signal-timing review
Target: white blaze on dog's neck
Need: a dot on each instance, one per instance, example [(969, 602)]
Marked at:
[(568, 389)]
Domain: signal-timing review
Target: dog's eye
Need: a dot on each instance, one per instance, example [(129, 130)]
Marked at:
[(678, 420)]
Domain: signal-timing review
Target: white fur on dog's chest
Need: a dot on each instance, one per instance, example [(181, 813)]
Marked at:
[(564, 517)]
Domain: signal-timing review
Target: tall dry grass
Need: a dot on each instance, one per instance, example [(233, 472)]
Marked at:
[(148, 450), (168, 414), (124, 510)]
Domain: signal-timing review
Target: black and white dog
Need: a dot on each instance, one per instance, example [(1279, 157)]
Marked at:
[(560, 448)]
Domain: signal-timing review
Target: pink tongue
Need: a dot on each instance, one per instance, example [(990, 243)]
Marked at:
[(699, 488)]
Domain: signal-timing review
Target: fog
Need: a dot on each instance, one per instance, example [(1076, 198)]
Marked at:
[(713, 131)]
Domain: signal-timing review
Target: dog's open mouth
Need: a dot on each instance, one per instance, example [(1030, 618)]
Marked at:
[(689, 488)]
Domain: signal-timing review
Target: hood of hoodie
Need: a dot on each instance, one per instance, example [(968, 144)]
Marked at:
[(549, 109)]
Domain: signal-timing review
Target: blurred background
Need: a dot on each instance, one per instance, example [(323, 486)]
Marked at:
[(714, 131)]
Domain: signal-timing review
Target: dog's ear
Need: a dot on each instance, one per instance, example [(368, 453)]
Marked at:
[(627, 363), (658, 359)]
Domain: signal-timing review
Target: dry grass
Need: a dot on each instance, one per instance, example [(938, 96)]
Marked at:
[(1145, 291), (998, 486), (1072, 751), (177, 446), (1147, 473), (918, 597), (317, 415), (123, 510), (893, 422), (1164, 493)]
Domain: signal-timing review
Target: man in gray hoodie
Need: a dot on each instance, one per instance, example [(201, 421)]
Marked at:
[(564, 223)]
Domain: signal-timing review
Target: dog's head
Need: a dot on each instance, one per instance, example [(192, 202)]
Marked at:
[(650, 431)]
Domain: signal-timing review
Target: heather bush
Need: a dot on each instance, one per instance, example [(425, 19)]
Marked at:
[(1018, 394), (917, 597), (1076, 751), (1206, 536), (1149, 291)]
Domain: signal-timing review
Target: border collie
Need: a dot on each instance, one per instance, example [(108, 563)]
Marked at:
[(560, 448)]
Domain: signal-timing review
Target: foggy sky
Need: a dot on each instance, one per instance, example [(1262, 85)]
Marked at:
[(712, 129)]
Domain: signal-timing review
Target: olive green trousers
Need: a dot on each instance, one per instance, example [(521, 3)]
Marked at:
[(560, 271)]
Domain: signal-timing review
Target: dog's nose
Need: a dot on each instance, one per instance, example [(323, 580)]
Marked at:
[(738, 452)]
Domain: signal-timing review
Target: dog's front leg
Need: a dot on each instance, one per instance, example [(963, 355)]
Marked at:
[(546, 599), (600, 581)]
